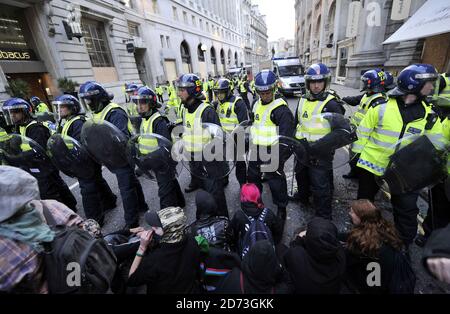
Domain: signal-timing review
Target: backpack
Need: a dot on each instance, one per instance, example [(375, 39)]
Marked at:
[(403, 278), (97, 262), (257, 231)]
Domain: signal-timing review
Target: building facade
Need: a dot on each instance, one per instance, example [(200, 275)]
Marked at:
[(349, 40), (121, 41)]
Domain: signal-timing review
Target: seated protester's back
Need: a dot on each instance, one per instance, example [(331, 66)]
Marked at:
[(260, 273), (215, 229), (172, 264), (316, 261), (372, 239), (252, 206), (24, 231)]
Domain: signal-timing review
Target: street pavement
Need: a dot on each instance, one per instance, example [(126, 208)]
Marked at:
[(297, 215)]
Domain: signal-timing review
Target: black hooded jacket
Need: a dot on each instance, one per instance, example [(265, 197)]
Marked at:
[(260, 273), (316, 262), (240, 220), (214, 228)]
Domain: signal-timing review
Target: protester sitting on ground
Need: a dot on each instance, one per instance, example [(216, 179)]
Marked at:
[(168, 259), (24, 231), (251, 208), (372, 239), (260, 273), (214, 228), (316, 260), (436, 254)]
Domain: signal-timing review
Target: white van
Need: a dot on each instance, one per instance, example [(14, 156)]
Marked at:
[(290, 75)]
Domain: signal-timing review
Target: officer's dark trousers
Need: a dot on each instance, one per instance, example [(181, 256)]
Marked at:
[(276, 180), (210, 95), (169, 191), (53, 187), (316, 181), (405, 208), (209, 183), (131, 192), (245, 99), (241, 171), (439, 215), (97, 195)]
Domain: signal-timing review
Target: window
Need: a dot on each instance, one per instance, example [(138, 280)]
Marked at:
[(207, 26), (185, 18), (342, 62), (96, 43), (12, 31), (168, 41), (133, 29), (161, 37), (155, 8), (128, 3), (201, 24), (175, 13)]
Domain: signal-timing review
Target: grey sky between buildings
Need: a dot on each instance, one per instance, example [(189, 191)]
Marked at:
[(280, 17)]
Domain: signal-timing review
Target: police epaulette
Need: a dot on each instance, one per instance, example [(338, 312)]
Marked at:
[(377, 102)]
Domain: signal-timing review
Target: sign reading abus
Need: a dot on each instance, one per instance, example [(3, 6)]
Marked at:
[(17, 54)]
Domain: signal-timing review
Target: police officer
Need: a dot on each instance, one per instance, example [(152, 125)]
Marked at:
[(17, 112), (38, 105), (316, 177), (441, 95), (159, 92), (130, 90), (197, 112), (404, 114), (98, 100), (205, 85), (374, 84), (232, 111), (174, 102), (210, 89), (96, 194), (271, 118), (153, 122), (244, 88), (438, 215)]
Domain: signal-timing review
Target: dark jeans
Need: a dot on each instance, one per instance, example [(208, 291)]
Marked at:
[(53, 187), (241, 171), (169, 191), (245, 99), (132, 195), (276, 180), (96, 195), (405, 208), (209, 183), (316, 181), (439, 215)]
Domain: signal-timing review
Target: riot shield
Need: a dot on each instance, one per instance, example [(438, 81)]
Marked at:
[(205, 151), (23, 152), (327, 139), (70, 157), (106, 143), (152, 154), (417, 162)]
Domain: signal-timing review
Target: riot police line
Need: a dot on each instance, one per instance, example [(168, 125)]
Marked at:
[(385, 138)]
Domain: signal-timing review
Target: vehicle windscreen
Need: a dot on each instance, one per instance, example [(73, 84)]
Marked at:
[(290, 70)]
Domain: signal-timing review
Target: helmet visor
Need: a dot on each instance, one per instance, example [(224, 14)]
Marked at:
[(14, 114)]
